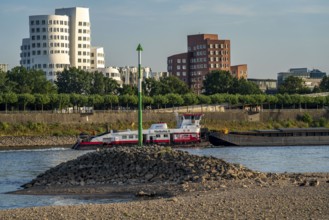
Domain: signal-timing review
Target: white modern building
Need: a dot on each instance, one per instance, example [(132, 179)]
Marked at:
[(129, 74), (60, 41), (3, 67), (97, 58), (112, 72)]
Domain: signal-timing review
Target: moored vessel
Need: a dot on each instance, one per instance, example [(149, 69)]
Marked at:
[(272, 137), (187, 132)]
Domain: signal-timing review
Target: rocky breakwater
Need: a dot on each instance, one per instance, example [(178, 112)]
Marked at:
[(141, 165)]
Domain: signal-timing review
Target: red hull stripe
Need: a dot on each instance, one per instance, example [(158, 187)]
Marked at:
[(91, 143)]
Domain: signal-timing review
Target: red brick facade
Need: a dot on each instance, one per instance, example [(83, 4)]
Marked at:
[(239, 71), (206, 53)]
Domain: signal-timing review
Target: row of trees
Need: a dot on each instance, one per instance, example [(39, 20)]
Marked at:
[(103, 102), (20, 80)]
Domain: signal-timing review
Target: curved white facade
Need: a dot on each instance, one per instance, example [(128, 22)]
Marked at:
[(48, 44), (79, 36), (60, 41), (111, 72)]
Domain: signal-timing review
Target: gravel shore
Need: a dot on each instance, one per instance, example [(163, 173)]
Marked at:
[(169, 184), (235, 200)]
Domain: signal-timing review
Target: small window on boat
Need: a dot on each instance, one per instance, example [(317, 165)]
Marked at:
[(158, 135), (165, 135), (124, 137), (131, 136)]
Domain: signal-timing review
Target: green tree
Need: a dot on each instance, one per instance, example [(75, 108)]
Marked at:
[(217, 98), (324, 84), (74, 80), (147, 100), (41, 99), (128, 90), (217, 82), (9, 98), (97, 83), (30, 81), (5, 84), (160, 100), (63, 101), (172, 84), (271, 100), (293, 85), (111, 86), (25, 99), (175, 99), (127, 100), (244, 87), (111, 99), (151, 87), (190, 99), (95, 100), (203, 99)]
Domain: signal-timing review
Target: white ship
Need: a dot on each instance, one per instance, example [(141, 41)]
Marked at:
[(188, 131)]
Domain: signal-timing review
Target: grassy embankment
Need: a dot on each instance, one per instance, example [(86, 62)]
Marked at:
[(42, 129)]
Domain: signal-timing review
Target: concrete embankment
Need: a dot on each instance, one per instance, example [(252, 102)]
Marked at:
[(17, 142)]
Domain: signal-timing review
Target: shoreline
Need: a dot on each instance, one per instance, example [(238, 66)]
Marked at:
[(227, 199), (35, 142), (161, 183)]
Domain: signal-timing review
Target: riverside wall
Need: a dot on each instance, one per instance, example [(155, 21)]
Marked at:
[(109, 118), (130, 117)]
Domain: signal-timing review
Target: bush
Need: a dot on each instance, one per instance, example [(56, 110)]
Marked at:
[(307, 118), (4, 126)]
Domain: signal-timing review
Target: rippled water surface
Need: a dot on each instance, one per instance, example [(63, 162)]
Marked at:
[(21, 166), (273, 159)]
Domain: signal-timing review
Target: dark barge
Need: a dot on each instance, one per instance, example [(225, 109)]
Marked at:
[(273, 137)]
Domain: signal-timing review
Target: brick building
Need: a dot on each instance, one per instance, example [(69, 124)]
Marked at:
[(239, 71), (205, 53)]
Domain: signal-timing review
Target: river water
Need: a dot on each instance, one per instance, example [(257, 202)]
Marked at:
[(21, 166)]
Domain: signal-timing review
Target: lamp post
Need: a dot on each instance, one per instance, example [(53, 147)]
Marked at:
[(140, 121)]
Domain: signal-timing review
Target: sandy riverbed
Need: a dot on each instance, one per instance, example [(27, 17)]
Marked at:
[(229, 199)]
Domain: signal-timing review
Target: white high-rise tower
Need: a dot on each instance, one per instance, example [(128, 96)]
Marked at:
[(59, 41), (79, 36)]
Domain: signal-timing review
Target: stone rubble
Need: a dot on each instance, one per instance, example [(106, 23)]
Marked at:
[(139, 165), (23, 141)]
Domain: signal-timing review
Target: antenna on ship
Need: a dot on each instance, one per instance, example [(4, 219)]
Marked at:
[(140, 121)]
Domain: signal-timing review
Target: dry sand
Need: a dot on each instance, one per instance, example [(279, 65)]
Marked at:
[(229, 199)]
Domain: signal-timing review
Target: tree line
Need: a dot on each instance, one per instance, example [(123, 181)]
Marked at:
[(22, 89), (12, 101)]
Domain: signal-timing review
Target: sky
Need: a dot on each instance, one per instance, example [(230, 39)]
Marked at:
[(270, 36)]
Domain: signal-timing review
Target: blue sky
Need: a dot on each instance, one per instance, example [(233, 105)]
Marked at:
[(270, 36)]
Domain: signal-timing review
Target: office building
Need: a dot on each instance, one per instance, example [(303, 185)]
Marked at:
[(205, 53), (311, 78)]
